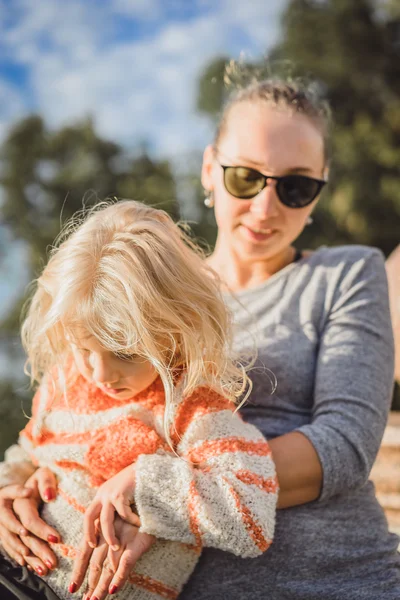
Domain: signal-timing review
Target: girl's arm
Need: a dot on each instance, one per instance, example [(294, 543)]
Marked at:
[(219, 489), (353, 386)]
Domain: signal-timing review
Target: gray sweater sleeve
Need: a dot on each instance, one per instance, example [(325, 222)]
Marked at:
[(354, 375)]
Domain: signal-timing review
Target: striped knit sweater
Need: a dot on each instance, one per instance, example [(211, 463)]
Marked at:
[(220, 490)]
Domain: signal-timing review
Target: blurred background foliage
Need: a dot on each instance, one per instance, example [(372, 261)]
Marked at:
[(352, 49)]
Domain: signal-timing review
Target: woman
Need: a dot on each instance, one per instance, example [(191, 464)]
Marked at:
[(393, 273), (321, 325)]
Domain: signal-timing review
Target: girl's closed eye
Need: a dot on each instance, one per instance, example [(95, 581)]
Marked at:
[(126, 356)]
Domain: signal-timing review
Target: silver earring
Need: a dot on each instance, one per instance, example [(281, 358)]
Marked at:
[(209, 199), (309, 221)]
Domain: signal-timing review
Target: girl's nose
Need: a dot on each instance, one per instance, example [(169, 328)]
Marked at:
[(103, 370), (265, 204)]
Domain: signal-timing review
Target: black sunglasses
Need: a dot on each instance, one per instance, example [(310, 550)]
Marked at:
[(295, 191)]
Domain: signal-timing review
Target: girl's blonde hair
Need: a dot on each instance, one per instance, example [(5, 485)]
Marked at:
[(130, 277)]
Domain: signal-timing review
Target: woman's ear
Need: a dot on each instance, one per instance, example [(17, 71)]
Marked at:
[(206, 170)]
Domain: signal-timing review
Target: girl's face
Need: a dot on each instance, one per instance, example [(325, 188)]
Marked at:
[(274, 142), (120, 377)]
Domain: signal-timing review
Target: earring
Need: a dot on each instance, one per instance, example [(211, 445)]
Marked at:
[(209, 198), (309, 221)]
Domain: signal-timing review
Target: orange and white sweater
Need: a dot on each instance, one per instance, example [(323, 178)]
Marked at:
[(220, 491)]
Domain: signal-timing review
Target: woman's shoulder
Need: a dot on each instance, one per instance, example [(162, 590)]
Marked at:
[(354, 260)]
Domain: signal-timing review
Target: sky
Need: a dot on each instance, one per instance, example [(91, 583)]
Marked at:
[(132, 65)]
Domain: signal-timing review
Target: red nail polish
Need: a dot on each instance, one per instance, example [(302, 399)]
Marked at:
[(49, 494), (48, 564), (94, 598), (113, 589), (72, 588), (52, 538), (39, 570)]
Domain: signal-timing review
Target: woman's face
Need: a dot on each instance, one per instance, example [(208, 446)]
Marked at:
[(274, 142), (117, 376)]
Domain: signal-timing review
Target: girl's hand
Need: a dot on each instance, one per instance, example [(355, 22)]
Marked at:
[(109, 569), (115, 495)]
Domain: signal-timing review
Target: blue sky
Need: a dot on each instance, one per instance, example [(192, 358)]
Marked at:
[(131, 64)]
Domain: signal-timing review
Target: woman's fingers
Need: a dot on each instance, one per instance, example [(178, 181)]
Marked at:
[(36, 565), (26, 509), (46, 483), (9, 520), (134, 550), (7, 517), (13, 546), (40, 550), (80, 567), (12, 554), (96, 566), (89, 524), (103, 584)]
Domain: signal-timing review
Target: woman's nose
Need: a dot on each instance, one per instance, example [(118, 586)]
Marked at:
[(265, 204), (103, 370)]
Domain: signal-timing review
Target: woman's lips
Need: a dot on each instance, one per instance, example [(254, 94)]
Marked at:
[(258, 234)]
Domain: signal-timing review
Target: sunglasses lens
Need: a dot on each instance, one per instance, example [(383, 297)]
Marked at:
[(297, 191), (242, 182)]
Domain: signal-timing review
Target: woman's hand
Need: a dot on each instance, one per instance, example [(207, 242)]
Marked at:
[(115, 495), (23, 533), (109, 569), (10, 527)]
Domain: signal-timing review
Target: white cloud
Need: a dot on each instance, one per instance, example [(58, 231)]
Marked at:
[(137, 88)]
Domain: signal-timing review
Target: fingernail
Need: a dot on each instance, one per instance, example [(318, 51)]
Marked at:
[(29, 568), (49, 494), (115, 547), (48, 564), (113, 589), (21, 562), (52, 538), (39, 570), (92, 545), (72, 588), (94, 598), (23, 531)]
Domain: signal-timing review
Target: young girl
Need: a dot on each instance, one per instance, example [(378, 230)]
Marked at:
[(128, 338)]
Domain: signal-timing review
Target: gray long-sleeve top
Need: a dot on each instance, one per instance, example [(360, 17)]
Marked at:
[(322, 328)]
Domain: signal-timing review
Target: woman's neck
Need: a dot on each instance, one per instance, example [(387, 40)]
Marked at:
[(239, 274)]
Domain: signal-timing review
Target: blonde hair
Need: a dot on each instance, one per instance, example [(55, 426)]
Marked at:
[(130, 277)]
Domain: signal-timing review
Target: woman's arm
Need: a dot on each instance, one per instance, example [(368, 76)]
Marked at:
[(352, 391), (298, 469)]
